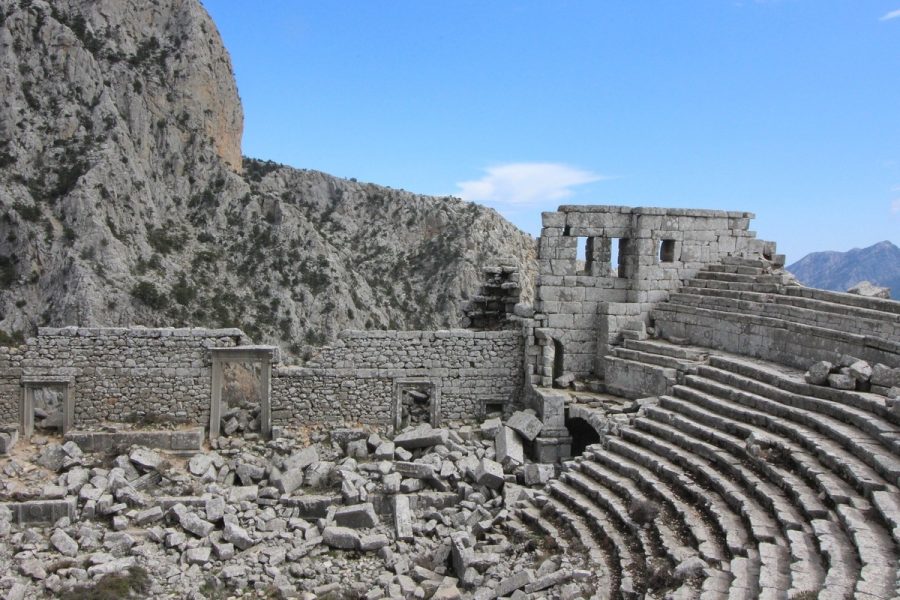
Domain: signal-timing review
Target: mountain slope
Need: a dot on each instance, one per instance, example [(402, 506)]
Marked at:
[(839, 271), (124, 199)]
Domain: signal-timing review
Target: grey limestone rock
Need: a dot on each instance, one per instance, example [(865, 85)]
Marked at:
[(818, 373), (489, 473), (421, 437), (357, 516), (870, 290), (341, 537), (526, 424), (237, 535)]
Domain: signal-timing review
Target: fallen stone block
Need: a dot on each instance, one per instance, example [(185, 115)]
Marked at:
[(885, 376), (145, 459), (384, 451), (243, 493), (237, 535), (840, 381), (357, 516), (526, 424), (289, 480), (414, 470), (342, 538), (537, 473), (868, 289), (215, 509), (421, 437), (8, 440), (118, 565), (150, 515), (63, 543), (375, 541), (489, 473), (191, 523), (508, 448), (818, 373), (514, 582), (198, 556), (490, 427), (302, 459), (402, 518), (542, 583), (861, 371)]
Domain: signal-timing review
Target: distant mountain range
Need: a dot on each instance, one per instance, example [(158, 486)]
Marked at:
[(839, 271)]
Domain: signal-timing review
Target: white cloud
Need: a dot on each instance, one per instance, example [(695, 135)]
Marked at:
[(891, 15), (526, 183)]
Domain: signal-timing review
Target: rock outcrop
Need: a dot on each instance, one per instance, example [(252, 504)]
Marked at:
[(125, 200)]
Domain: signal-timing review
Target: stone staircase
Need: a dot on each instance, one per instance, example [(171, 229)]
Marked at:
[(780, 487), (745, 306)]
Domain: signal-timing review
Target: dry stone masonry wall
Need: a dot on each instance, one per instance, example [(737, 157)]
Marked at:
[(583, 304), (357, 379)]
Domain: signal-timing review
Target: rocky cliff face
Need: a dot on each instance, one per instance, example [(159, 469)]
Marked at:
[(124, 199)]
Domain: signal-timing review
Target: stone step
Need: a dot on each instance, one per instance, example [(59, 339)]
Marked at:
[(626, 568), (877, 554), (739, 277), (781, 504), (694, 456), (879, 304), (863, 454), (743, 286), (667, 349), (843, 563), (798, 301), (655, 455), (600, 560), (665, 541), (746, 261), (605, 501), (774, 556), (792, 381), (701, 535), (741, 269), (862, 531), (723, 433), (815, 411), (768, 305), (659, 360)]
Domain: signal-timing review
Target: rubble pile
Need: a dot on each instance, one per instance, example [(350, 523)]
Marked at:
[(431, 513), (852, 373)]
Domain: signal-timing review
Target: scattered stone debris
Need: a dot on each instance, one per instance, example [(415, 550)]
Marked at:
[(431, 513)]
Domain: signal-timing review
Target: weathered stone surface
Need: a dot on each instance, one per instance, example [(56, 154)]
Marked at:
[(150, 515), (421, 437), (415, 470), (341, 537), (375, 541), (818, 373), (357, 516), (537, 473), (508, 448), (841, 382), (525, 424), (145, 459), (289, 480), (237, 535), (489, 473), (861, 371), (402, 518), (198, 556), (302, 459), (191, 523), (63, 543)]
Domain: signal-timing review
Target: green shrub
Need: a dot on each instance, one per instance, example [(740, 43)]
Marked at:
[(135, 583), (147, 293)]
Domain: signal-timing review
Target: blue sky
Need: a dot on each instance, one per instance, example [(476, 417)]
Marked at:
[(786, 108)]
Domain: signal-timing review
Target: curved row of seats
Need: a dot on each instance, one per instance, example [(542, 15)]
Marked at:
[(780, 487)]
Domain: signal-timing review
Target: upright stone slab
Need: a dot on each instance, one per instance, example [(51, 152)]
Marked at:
[(402, 518), (508, 448)]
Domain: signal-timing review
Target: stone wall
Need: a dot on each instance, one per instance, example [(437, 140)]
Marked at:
[(583, 305), (354, 380), (127, 374), (10, 384)]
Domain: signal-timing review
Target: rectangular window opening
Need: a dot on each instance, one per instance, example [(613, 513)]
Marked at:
[(667, 251)]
